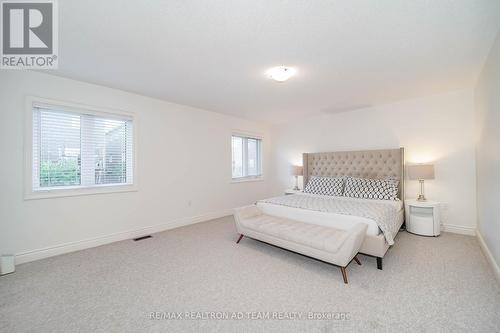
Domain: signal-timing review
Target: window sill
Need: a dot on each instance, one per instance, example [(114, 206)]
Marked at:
[(247, 179), (79, 191)]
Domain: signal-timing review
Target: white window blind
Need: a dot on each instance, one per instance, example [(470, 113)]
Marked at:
[(79, 149), (247, 157)]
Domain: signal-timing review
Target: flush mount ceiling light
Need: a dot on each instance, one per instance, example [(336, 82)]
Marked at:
[(281, 73)]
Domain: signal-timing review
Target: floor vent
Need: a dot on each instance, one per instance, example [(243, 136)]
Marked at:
[(141, 238)]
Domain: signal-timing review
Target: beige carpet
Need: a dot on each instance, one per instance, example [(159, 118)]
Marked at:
[(428, 284)]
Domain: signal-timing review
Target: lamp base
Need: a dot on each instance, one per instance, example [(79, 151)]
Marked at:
[(421, 197), (296, 188)]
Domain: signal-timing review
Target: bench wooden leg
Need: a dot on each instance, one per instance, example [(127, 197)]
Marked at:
[(357, 260), (379, 263), (344, 274), (241, 236)]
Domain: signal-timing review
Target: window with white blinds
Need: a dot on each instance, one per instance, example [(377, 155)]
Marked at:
[(246, 157), (73, 149)]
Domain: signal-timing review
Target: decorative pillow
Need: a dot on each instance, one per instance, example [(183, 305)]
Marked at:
[(383, 189), (325, 185)]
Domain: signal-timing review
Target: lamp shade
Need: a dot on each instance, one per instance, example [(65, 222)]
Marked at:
[(297, 170), (421, 171)]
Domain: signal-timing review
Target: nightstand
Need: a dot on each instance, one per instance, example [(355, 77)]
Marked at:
[(422, 217), (292, 191)]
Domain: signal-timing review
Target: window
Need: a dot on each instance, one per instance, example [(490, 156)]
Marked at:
[(247, 157), (74, 149)]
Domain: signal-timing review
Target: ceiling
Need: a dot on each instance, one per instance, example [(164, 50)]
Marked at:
[(214, 54)]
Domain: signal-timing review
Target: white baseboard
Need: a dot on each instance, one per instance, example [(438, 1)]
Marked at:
[(458, 229), (489, 256), (119, 236)]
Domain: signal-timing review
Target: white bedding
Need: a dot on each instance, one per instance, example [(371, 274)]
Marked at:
[(340, 221)]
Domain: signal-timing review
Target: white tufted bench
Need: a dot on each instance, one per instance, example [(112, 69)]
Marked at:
[(338, 247)]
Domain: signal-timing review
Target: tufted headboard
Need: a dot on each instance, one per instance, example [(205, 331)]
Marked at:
[(365, 164)]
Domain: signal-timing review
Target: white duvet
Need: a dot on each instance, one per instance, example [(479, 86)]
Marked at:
[(340, 212)]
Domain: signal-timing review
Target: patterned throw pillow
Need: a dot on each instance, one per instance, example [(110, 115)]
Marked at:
[(325, 185), (383, 189)]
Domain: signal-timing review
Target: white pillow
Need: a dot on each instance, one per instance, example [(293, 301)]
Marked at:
[(382, 189), (325, 185)]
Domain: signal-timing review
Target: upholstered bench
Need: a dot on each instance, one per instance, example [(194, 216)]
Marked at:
[(335, 246)]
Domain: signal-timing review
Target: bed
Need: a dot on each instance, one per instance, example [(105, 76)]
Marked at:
[(382, 217)]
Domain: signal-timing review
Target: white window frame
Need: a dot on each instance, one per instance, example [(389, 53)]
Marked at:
[(249, 136), (68, 191)]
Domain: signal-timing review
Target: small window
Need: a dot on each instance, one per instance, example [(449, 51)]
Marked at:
[(247, 157), (74, 149)]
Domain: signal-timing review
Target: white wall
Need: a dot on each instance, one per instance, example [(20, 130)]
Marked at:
[(184, 155), (488, 152), (437, 129)]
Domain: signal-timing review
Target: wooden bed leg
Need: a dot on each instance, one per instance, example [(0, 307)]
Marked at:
[(344, 274), (379, 263), (241, 236), (357, 260)]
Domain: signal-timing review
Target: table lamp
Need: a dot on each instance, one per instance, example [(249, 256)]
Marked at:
[(421, 172), (297, 171)]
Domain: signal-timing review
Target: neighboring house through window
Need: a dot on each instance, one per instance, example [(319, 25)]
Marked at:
[(246, 157), (73, 148)]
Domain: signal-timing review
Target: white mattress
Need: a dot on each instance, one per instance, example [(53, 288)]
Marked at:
[(340, 221)]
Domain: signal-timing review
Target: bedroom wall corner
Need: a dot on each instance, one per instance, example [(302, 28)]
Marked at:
[(487, 116)]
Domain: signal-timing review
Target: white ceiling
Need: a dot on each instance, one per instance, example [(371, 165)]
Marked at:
[(213, 54)]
